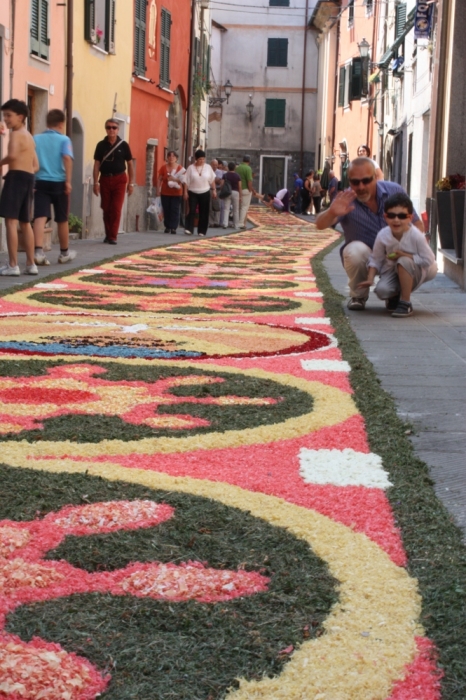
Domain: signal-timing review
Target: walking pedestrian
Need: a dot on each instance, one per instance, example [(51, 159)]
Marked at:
[(332, 185), (170, 189), (365, 151), (360, 211), (53, 186), (316, 192), (198, 187), (307, 203), (245, 173), (18, 190), (232, 199), (214, 206), (111, 159)]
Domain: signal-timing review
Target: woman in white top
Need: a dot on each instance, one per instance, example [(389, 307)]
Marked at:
[(199, 186), (365, 152)]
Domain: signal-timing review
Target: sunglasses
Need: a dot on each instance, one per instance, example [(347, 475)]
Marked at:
[(108, 128), (364, 180), (393, 215)]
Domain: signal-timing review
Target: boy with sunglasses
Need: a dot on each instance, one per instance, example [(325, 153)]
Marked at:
[(401, 256)]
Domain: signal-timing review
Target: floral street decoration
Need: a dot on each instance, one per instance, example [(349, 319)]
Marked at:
[(193, 509)]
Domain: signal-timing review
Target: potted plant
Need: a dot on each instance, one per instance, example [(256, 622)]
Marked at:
[(450, 212)]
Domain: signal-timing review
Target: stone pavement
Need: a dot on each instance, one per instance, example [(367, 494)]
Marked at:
[(421, 362), (90, 251)]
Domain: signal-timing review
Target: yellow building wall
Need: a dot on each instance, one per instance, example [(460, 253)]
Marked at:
[(102, 82)]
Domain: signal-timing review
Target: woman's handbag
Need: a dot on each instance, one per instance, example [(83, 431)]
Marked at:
[(225, 190), (215, 204)]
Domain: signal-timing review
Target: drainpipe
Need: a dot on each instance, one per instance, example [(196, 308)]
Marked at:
[(189, 111), (12, 45), (69, 67), (335, 89), (301, 161), (370, 123)]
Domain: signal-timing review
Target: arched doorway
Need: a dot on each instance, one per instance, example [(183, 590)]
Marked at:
[(77, 139)]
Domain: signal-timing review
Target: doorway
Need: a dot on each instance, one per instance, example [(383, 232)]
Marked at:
[(273, 173), (77, 139)]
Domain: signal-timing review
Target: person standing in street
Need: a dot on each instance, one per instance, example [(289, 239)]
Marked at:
[(18, 190), (234, 198), (245, 173), (198, 186), (360, 211), (307, 203), (111, 158), (332, 185), (53, 186), (297, 195), (214, 206), (170, 189), (316, 192)]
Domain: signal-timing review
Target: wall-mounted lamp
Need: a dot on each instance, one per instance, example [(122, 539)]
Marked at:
[(250, 109), (218, 101), (364, 47)]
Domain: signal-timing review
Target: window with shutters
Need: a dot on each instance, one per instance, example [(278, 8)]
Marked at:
[(275, 113), (355, 86), (400, 18), (99, 24), (277, 53), (140, 17), (165, 32), (369, 7), (40, 40), (279, 3), (350, 13), (341, 86)]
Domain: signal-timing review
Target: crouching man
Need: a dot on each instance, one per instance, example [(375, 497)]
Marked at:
[(401, 256)]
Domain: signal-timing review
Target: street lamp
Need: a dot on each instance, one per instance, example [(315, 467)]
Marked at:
[(218, 101), (250, 108), (364, 47)]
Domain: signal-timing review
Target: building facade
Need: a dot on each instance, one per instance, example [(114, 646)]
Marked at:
[(32, 66), (103, 64), (160, 79), (270, 58)]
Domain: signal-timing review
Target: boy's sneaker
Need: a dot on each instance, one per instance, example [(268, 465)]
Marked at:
[(9, 271), (356, 304), (67, 257), (404, 309), (188, 233), (31, 270), (41, 259), (392, 303)]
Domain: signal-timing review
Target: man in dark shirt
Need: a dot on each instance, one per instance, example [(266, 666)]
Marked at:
[(111, 158)]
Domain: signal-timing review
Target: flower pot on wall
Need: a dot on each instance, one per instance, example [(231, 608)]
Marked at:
[(450, 217)]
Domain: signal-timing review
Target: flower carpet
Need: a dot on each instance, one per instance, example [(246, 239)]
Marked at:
[(191, 507)]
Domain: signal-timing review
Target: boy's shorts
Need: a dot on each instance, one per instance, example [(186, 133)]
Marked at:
[(17, 195), (48, 193)]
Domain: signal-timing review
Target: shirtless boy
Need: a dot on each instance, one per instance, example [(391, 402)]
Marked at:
[(18, 189)]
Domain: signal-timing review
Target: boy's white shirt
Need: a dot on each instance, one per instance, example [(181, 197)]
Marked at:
[(412, 241)]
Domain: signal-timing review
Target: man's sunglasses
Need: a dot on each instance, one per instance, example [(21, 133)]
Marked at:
[(364, 180), (393, 215), (111, 127)]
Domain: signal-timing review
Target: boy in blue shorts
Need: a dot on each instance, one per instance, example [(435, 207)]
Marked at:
[(53, 186)]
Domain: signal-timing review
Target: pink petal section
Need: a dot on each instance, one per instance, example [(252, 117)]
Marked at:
[(422, 680)]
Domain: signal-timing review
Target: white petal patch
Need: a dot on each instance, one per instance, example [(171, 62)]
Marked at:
[(342, 468), (325, 365), (308, 294), (50, 285), (304, 279), (309, 321)]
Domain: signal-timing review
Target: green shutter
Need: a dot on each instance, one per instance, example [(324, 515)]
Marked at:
[(350, 11), (277, 52), (275, 113), (40, 28), (279, 3), (341, 87), (400, 19), (355, 86), (110, 30), (140, 37), (89, 21), (165, 34)]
